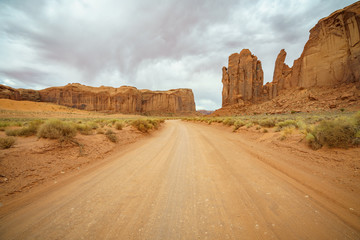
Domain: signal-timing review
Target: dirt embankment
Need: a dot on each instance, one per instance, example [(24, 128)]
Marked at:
[(32, 161)]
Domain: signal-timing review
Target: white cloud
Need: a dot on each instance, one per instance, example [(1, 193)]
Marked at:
[(148, 44)]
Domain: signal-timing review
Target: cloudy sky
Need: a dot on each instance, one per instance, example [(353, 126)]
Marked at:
[(155, 44)]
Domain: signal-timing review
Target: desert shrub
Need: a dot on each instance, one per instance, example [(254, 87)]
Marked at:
[(100, 131), (4, 124), (265, 130), (269, 122), (249, 125), (238, 124), (92, 125), (7, 142), (56, 129), (142, 125), (286, 123), (84, 129), (29, 130), (258, 127), (154, 122), (111, 136), (119, 125), (229, 121), (312, 142), (336, 133)]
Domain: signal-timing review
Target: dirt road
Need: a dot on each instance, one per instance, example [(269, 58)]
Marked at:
[(188, 181)]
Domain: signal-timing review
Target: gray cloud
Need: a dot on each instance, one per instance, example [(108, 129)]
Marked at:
[(148, 44)]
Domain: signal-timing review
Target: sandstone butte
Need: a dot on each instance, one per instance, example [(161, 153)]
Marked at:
[(330, 59), (125, 99)]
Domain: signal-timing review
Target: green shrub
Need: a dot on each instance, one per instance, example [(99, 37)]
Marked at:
[(56, 129), (238, 124), (7, 142), (111, 136), (269, 122), (229, 121), (336, 133), (93, 125), (119, 125), (84, 129), (287, 123), (29, 130), (249, 125), (100, 131), (142, 125), (312, 142)]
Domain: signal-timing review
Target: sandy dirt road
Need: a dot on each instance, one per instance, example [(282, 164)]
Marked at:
[(188, 181)]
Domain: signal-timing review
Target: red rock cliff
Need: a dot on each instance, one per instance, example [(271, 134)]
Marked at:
[(108, 99), (330, 57), (243, 79)]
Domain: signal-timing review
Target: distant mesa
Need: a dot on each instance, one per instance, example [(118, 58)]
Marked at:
[(330, 59), (125, 99)]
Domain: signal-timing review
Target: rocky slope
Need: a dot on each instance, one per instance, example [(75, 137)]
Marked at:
[(330, 59), (124, 99)]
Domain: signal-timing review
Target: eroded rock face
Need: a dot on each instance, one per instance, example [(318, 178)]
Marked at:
[(332, 53), (19, 94), (330, 57), (124, 99), (243, 79)]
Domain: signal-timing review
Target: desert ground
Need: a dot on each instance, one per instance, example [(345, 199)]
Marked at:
[(188, 180)]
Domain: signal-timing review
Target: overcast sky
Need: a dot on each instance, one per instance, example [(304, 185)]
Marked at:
[(156, 45)]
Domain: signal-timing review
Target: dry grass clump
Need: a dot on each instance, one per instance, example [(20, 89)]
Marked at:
[(7, 142), (144, 125), (119, 125), (84, 128), (29, 129), (335, 133), (56, 129), (238, 124), (111, 135), (268, 122)]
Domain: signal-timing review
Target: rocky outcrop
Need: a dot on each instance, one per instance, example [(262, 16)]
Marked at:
[(330, 57), (172, 101), (19, 94), (124, 99), (243, 79)]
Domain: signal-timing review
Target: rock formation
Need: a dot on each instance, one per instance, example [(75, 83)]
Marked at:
[(19, 94), (124, 99), (243, 79), (331, 57)]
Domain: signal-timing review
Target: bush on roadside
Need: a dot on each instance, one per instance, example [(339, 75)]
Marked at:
[(7, 142), (335, 133), (269, 122), (111, 135), (84, 129), (119, 125), (56, 129), (238, 124), (29, 130), (229, 121), (142, 125)]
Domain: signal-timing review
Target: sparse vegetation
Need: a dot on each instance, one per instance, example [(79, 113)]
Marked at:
[(111, 135), (29, 129), (7, 142), (56, 129), (341, 129), (119, 125)]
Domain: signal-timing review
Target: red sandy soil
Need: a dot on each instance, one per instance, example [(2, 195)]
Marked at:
[(195, 181), (34, 161)]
